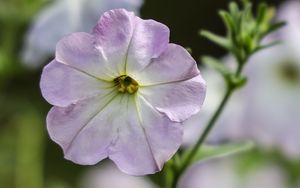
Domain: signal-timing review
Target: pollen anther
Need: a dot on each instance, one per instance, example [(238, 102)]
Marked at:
[(126, 84)]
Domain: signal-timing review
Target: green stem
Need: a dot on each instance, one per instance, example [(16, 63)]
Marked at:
[(209, 127), (241, 64), (204, 135), (169, 177)]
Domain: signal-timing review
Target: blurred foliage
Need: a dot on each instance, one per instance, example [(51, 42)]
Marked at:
[(245, 31), (28, 159), (14, 18)]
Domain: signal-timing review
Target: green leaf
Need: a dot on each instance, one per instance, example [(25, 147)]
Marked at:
[(262, 47), (216, 65), (228, 21), (261, 13), (208, 152), (234, 8), (275, 27), (245, 3), (219, 40), (247, 12)]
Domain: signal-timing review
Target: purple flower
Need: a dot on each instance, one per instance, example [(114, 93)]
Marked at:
[(272, 106), (122, 93)]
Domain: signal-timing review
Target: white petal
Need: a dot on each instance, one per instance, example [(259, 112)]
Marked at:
[(84, 130), (178, 100), (62, 85), (78, 50), (146, 140), (174, 64)]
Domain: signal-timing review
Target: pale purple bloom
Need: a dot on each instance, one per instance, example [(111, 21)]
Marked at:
[(225, 173), (63, 17), (108, 176), (122, 93)]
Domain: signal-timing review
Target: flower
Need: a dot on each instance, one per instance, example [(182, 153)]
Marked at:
[(121, 92), (73, 15), (229, 175), (109, 176), (271, 115)]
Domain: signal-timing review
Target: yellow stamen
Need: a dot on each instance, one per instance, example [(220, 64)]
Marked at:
[(126, 84)]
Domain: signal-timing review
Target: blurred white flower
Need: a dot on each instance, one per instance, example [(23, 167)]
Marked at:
[(61, 18), (267, 110), (272, 96), (225, 173), (108, 176)]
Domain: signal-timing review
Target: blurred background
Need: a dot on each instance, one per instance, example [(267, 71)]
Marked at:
[(29, 30)]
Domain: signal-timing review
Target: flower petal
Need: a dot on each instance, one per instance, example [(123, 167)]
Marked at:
[(149, 40), (178, 100), (175, 63), (84, 129), (62, 85), (113, 35), (146, 141), (129, 42), (98, 127), (77, 50)]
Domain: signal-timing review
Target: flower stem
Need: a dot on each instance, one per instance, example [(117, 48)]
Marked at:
[(210, 125)]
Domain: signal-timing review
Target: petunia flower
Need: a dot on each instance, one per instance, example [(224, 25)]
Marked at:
[(63, 17), (229, 175), (121, 92), (109, 176)]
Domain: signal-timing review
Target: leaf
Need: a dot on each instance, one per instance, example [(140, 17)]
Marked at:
[(261, 13), (208, 152), (219, 40), (275, 27), (262, 47), (228, 21), (216, 65), (234, 8), (247, 12)]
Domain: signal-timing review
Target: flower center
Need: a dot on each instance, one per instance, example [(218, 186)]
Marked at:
[(126, 84)]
